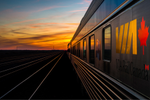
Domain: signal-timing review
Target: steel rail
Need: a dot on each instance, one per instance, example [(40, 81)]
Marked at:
[(16, 58), (101, 86), (20, 69), (103, 83), (94, 81), (28, 77), (22, 59), (109, 83), (94, 84), (24, 67), (45, 77), (23, 64), (85, 82), (127, 89), (7, 59), (82, 82), (100, 81), (87, 85), (90, 82)]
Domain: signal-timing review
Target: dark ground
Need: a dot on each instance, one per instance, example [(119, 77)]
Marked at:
[(62, 82)]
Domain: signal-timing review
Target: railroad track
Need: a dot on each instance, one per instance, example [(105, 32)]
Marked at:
[(19, 60), (23, 55), (37, 80), (23, 81)]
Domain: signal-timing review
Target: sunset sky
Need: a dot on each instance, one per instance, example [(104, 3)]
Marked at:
[(39, 24)]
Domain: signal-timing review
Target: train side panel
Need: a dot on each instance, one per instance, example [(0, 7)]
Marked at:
[(130, 68)]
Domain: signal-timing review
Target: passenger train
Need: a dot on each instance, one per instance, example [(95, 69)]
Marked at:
[(113, 40)]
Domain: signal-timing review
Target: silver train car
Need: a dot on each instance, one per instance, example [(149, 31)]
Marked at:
[(113, 40)]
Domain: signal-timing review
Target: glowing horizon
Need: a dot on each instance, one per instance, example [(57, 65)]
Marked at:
[(39, 24)]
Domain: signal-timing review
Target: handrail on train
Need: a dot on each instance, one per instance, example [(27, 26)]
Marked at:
[(121, 85)]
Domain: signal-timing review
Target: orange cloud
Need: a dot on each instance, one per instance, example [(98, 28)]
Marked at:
[(48, 40), (59, 41), (41, 35), (88, 1), (47, 29), (53, 27), (72, 24), (13, 44), (54, 24)]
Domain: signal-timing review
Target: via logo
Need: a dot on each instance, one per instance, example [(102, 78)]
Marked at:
[(143, 34), (129, 36)]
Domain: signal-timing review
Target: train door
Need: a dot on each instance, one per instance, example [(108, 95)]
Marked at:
[(106, 49)]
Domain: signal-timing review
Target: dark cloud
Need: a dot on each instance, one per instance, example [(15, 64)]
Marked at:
[(47, 36), (4, 30), (13, 44), (19, 32), (48, 40), (15, 31), (35, 38)]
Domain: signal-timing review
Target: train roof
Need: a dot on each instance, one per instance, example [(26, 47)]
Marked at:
[(93, 8), (90, 11)]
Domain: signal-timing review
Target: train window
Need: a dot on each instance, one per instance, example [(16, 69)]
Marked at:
[(78, 49), (84, 49), (74, 50), (91, 58), (98, 49), (107, 43)]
